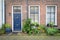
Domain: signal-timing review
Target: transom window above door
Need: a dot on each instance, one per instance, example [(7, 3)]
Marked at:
[(17, 9), (34, 13), (51, 14)]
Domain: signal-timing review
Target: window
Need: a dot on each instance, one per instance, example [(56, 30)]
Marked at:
[(16, 9), (51, 14), (34, 13)]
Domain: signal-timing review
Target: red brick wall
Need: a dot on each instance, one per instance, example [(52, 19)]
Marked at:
[(42, 4)]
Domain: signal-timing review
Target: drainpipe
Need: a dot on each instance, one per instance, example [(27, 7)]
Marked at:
[(3, 11), (27, 8)]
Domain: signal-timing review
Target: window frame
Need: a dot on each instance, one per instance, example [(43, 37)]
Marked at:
[(16, 9), (55, 13), (39, 11)]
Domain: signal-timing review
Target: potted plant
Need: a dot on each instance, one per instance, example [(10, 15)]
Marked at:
[(7, 28), (51, 24)]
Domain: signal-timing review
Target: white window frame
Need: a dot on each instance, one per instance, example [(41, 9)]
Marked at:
[(12, 18), (55, 13), (39, 11)]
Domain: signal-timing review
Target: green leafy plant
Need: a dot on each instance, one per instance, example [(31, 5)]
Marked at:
[(7, 25), (27, 26), (35, 24), (51, 24), (7, 28), (30, 32), (36, 31), (51, 31), (2, 30), (42, 28), (58, 30)]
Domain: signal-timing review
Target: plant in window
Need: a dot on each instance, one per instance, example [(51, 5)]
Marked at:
[(51, 24)]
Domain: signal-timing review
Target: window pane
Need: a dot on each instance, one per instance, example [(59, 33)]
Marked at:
[(16, 9), (53, 9), (48, 9), (36, 9), (36, 17), (48, 15), (52, 20), (48, 20), (52, 15), (32, 16), (32, 9)]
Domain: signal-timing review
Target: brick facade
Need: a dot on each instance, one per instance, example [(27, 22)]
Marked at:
[(42, 4)]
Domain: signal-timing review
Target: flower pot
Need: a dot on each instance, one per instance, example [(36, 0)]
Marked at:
[(8, 30)]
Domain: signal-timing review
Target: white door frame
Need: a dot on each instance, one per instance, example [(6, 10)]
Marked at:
[(12, 18)]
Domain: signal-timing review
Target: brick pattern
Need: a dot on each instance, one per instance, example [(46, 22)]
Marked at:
[(42, 4)]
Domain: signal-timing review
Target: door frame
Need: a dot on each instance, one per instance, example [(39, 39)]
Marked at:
[(12, 18)]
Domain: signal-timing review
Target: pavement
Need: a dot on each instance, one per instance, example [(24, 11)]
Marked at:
[(23, 36)]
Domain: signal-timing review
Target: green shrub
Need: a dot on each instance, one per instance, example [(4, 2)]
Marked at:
[(51, 24), (2, 30), (35, 24), (41, 28), (27, 26), (58, 30), (51, 31), (7, 25), (30, 32), (36, 31)]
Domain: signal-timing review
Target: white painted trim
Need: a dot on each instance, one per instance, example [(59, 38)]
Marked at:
[(55, 13), (3, 12), (39, 11), (12, 18)]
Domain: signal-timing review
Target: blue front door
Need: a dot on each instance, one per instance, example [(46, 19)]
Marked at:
[(17, 22), (16, 18)]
